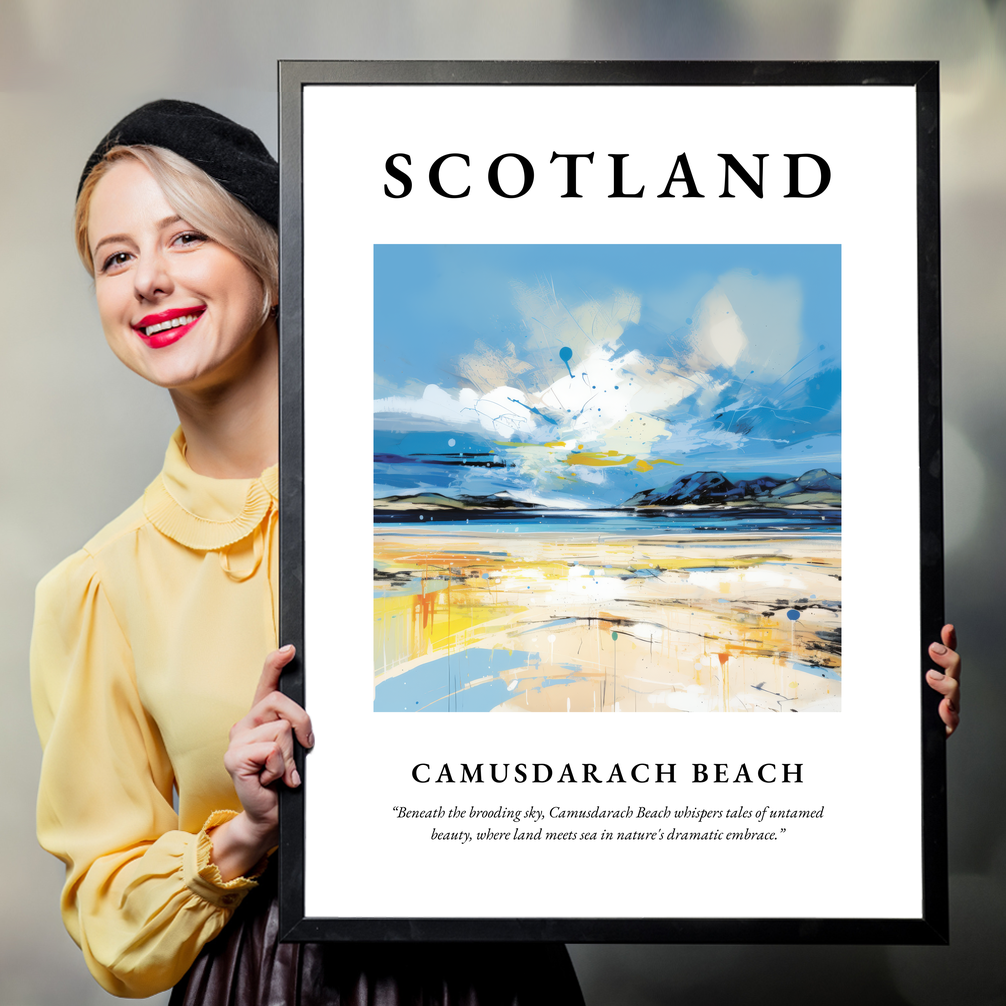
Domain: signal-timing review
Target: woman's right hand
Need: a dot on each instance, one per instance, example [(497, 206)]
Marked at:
[(260, 753)]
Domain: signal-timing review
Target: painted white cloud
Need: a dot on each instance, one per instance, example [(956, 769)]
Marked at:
[(608, 399), (769, 310), (506, 412), (719, 335), (503, 413), (551, 324), (435, 403), (606, 389), (635, 434), (749, 324)]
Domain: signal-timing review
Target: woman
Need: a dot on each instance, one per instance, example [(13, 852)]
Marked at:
[(148, 643)]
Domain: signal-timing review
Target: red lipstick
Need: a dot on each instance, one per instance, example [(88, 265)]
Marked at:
[(165, 333)]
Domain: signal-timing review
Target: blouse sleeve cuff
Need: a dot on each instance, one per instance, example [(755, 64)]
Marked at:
[(202, 876)]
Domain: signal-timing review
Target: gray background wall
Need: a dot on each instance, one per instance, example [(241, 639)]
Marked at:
[(82, 436)]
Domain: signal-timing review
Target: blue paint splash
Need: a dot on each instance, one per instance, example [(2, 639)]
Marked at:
[(548, 419), (566, 354)]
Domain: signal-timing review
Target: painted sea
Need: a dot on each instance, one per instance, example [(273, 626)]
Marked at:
[(608, 610)]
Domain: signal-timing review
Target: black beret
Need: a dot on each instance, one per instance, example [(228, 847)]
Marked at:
[(231, 154)]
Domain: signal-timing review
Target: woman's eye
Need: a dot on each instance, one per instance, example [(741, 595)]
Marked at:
[(190, 238), (114, 261)]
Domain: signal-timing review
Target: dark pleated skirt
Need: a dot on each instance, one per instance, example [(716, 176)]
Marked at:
[(246, 965)]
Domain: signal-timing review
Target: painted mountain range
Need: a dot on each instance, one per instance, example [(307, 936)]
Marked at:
[(816, 487), (437, 501)]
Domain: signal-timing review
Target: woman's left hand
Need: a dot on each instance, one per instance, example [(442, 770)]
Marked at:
[(948, 681)]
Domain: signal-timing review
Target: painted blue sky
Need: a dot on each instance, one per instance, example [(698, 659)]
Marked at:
[(577, 375)]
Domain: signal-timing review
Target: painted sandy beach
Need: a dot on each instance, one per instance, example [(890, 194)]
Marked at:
[(467, 619)]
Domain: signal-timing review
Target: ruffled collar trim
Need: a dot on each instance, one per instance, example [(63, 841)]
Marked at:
[(203, 513)]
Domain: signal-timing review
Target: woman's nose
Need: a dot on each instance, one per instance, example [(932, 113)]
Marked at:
[(152, 277)]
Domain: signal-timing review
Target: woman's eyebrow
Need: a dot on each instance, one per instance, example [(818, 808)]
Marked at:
[(109, 240), (160, 225)]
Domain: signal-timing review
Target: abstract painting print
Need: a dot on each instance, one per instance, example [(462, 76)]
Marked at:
[(607, 478)]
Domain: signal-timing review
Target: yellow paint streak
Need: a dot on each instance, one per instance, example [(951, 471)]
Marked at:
[(648, 466), (598, 459), (414, 625)]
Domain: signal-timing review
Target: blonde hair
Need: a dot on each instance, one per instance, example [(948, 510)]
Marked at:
[(199, 200)]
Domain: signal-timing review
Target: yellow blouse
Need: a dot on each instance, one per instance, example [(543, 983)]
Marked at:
[(147, 647)]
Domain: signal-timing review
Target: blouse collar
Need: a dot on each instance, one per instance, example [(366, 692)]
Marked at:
[(203, 513)]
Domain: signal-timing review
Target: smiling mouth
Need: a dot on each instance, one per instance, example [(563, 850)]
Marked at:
[(166, 322), (185, 319)]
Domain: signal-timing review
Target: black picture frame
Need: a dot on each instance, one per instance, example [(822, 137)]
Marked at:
[(932, 925)]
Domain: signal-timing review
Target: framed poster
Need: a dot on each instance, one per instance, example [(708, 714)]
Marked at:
[(610, 393)]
